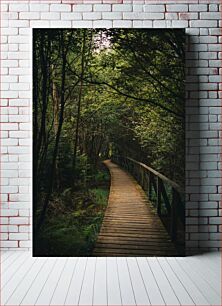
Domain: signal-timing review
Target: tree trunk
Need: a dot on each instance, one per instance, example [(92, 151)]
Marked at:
[(55, 152), (79, 103)]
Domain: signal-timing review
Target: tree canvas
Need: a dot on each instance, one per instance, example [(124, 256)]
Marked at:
[(108, 142)]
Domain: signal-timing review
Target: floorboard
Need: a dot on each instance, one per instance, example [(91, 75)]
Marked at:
[(131, 225), (193, 280)]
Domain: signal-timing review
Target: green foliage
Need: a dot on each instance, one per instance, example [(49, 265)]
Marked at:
[(73, 231)]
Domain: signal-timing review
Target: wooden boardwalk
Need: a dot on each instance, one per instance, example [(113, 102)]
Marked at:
[(131, 226)]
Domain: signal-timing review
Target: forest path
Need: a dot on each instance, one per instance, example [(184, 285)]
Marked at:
[(131, 226)]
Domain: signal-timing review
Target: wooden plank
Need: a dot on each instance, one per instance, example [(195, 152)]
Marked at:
[(132, 241), (86, 294), (208, 291), (214, 264), (167, 291), (213, 279), (10, 286), (150, 283), (10, 261), (47, 292), (187, 278), (135, 246), (4, 255), (126, 252), (139, 288), (180, 291), (75, 286), (37, 285), (14, 269), (61, 290), (188, 283), (130, 217), (21, 288), (113, 285), (132, 235), (127, 293), (100, 283)]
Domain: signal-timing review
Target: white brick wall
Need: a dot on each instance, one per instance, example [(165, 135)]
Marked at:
[(200, 18)]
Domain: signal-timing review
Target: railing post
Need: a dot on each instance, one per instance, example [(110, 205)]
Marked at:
[(159, 196), (174, 215), (150, 185), (142, 177)]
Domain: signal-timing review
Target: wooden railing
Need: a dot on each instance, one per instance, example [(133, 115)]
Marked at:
[(165, 195)]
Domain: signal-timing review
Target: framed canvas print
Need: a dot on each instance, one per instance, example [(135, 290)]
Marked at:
[(108, 142)]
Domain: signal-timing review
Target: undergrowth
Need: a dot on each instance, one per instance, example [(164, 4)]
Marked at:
[(74, 220)]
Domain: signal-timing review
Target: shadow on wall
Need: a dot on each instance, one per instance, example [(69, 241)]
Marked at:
[(193, 142)]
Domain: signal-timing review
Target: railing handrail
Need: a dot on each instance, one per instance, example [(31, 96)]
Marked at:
[(153, 181), (177, 187)]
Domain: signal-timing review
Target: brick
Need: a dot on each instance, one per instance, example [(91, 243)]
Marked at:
[(19, 118), (39, 7), (4, 7), (9, 63), (9, 173), (199, 236), (215, 236), (137, 8), (9, 212), (102, 23), (135, 15), (180, 23), (9, 126), (39, 23), (162, 23), (18, 220), (60, 24), (9, 142), (82, 8), (18, 150), (24, 213), (92, 15), (213, 7), (71, 16), (203, 23), (208, 212), (9, 228), (154, 8), (20, 7), (29, 15), (18, 236), (121, 7), (25, 244), (60, 8), (82, 24), (147, 23), (171, 16), (9, 244), (3, 220), (18, 23), (122, 23), (24, 229), (102, 7), (51, 16), (208, 16), (198, 7), (177, 8), (112, 15), (188, 16)]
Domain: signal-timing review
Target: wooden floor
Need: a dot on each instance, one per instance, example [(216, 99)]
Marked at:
[(110, 281), (131, 226)]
